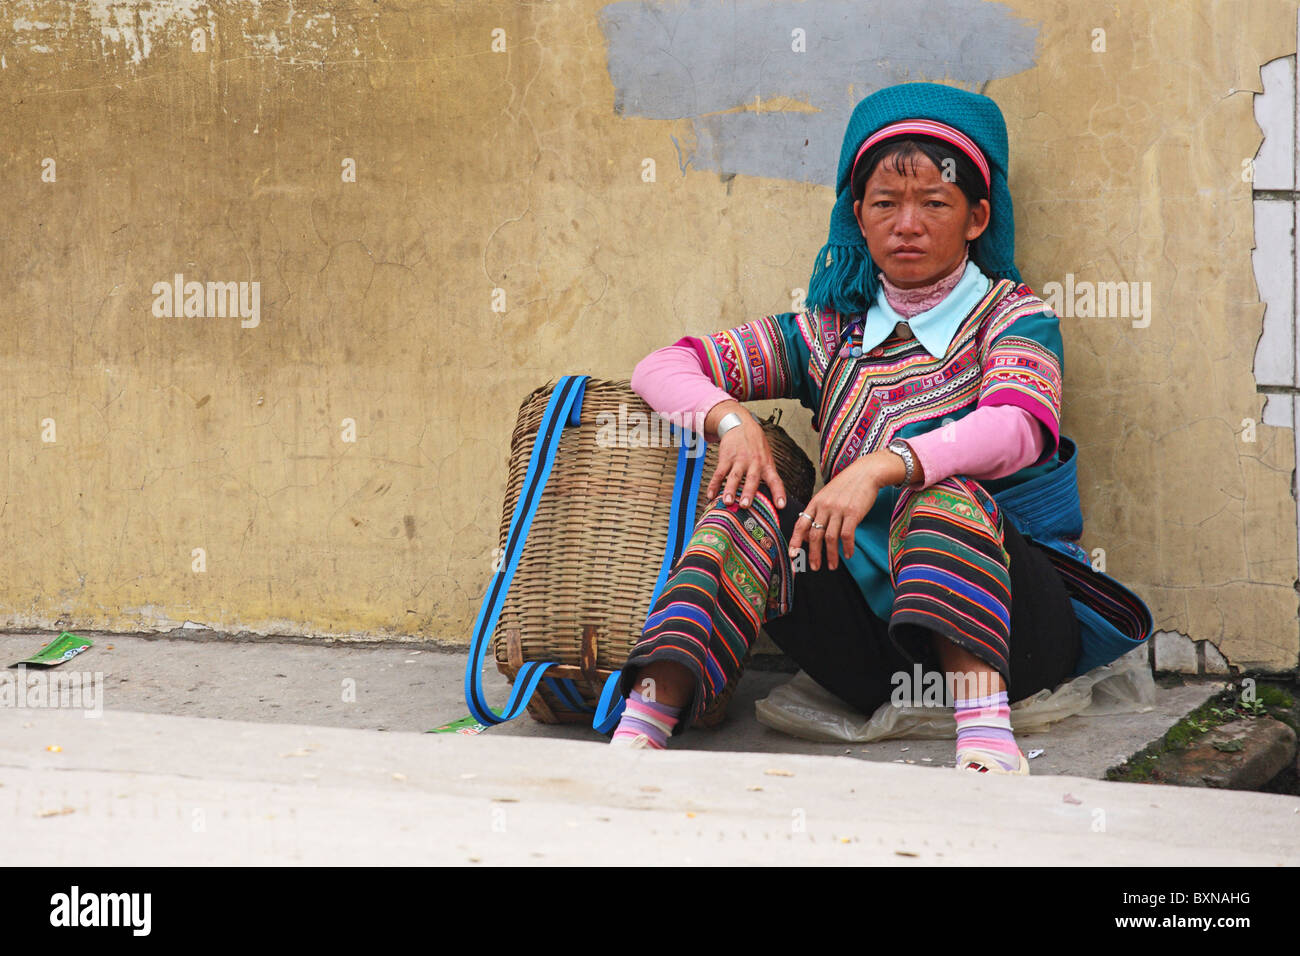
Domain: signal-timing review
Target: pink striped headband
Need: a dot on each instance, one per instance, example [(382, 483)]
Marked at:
[(927, 127)]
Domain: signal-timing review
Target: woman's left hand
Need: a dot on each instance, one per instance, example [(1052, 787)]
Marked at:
[(840, 506)]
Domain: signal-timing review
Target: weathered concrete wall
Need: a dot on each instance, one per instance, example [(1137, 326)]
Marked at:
[(133, 439)]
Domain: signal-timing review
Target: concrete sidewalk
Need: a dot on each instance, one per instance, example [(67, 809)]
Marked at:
[(135, 789), (225, 752), (418, 687)]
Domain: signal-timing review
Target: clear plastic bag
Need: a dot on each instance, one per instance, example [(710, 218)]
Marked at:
[(803, 708)]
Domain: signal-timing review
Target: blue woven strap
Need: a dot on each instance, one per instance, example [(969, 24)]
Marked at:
[(568, 694), (563, 408)]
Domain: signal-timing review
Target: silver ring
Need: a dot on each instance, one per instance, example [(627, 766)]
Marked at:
[(804, 514), (816, 525)]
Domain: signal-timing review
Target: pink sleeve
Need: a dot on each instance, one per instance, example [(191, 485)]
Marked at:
[(991, 442), (673, 382)]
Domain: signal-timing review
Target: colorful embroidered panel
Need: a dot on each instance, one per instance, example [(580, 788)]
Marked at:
[(868, 400), (1007, 351), (1021, 355), (766, 358)]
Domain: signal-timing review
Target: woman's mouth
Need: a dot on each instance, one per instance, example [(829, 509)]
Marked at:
[(907, 252)]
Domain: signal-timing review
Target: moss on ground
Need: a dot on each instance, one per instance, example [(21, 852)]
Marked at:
[(1243, 702)]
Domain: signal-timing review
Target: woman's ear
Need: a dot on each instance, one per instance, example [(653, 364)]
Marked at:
[(979, 220)]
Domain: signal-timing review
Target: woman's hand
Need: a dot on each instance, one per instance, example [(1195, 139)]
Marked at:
[(841, 505), (743, 456)]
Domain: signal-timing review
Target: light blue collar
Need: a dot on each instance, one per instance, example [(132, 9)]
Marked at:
[(933, 328)]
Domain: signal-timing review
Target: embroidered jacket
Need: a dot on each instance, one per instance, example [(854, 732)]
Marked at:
[(1007, 351)]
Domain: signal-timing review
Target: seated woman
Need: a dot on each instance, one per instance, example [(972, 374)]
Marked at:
[(934, 378)]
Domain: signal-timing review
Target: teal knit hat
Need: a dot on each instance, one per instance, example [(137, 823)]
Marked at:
[(844, 275)]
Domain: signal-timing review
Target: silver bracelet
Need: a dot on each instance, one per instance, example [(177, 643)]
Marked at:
[(729, 421)]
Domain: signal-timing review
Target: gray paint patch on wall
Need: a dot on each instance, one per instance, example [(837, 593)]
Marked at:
[(699, 58)]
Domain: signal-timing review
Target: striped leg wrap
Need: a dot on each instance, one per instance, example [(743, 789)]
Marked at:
[(949, 569), (733, 574)]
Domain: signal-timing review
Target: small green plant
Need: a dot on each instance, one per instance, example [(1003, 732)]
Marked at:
[(1202, 725), (1254, 707)]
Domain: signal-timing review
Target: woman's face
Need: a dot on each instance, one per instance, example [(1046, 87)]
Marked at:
[(916, 225)]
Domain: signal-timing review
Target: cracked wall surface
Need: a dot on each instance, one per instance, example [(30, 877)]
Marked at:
[(521, 170)]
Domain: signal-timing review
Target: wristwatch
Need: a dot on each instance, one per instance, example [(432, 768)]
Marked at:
[(729, 421), (901, 448)]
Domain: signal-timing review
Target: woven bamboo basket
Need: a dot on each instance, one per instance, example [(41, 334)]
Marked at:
[(582, 588)]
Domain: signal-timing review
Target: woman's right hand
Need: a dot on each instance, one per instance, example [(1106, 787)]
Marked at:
[(744, 456)]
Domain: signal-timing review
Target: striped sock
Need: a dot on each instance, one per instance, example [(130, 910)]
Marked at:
[(641, 716), (984, 723)]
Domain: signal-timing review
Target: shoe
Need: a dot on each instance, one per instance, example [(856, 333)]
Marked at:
[(639, 742), (981, 761)]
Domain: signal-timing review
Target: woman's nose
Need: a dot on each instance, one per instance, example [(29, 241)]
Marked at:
[(908, 219)]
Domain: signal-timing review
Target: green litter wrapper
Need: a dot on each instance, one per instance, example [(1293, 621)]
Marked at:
[(466, 725), (63, 648)]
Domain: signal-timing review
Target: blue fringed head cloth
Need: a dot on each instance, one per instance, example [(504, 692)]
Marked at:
[(844, 274)]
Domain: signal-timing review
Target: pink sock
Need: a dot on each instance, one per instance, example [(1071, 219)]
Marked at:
[(984, 723), (641, 716)]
